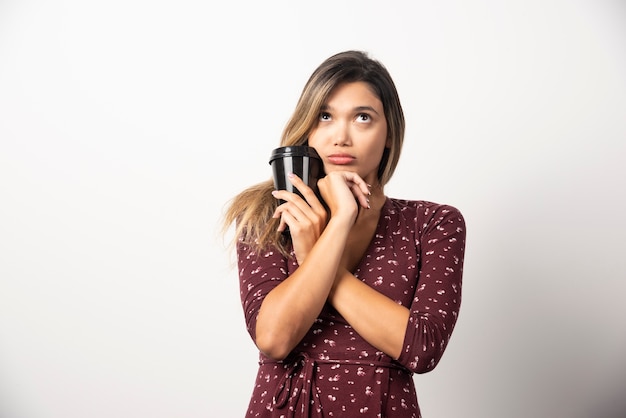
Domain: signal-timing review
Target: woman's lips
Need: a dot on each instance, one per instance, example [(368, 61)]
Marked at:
[(341, 159)]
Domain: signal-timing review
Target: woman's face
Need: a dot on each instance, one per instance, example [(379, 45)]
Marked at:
[(351, 133)]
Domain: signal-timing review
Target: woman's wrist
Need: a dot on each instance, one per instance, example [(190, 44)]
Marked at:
[(343, 219)]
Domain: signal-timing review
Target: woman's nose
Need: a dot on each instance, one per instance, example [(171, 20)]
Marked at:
[(341, 136)]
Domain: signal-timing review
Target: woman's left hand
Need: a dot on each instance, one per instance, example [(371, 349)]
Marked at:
[(343, 192)]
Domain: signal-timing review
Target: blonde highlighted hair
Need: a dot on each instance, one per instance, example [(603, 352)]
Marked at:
[(252, 209)]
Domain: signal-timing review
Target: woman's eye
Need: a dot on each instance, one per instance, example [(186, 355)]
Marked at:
[(324, 116), (363, 117)]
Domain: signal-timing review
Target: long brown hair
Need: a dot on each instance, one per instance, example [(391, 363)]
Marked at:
[(252, 209)]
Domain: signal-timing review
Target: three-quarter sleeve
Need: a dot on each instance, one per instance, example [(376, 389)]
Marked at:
[(259, 273), (435, 306)]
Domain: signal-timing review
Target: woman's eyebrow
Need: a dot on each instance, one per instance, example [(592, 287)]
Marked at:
[(365, 108), (356, 109)]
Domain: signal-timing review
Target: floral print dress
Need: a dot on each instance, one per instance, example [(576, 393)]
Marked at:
[(416, 259)]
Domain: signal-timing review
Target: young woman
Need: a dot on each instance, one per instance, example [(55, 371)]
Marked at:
[(365, 289)]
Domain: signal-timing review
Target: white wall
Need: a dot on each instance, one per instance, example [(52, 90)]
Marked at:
[(125, 126)]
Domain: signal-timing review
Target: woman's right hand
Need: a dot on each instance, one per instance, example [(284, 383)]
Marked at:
[(306, 217)]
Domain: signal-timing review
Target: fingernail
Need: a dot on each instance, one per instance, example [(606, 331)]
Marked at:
[(274, 192), (290, 175)]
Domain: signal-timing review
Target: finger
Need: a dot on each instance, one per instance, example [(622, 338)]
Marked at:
[(362, 198), (297, 182), (290, 211), (281, 194), (306, 191), (287, 219), (288, 196), (279, 213), (282, 225), (359, 182), (360, 189)]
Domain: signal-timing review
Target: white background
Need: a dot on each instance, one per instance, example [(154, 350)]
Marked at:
[(126, 126)]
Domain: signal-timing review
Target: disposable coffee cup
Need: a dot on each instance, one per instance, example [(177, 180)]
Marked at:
[(301, 160)]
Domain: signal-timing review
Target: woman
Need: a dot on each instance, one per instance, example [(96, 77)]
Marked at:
[(365, 289)]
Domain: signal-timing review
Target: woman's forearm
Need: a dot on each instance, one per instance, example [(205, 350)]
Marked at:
[(290, 309), (378, 319)]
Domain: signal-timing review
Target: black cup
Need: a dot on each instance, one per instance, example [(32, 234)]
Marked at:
[(300, 160)]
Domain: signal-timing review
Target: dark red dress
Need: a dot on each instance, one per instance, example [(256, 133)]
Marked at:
[(416, 259)]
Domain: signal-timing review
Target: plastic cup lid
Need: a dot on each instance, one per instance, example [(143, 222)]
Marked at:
[(294, 151)]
